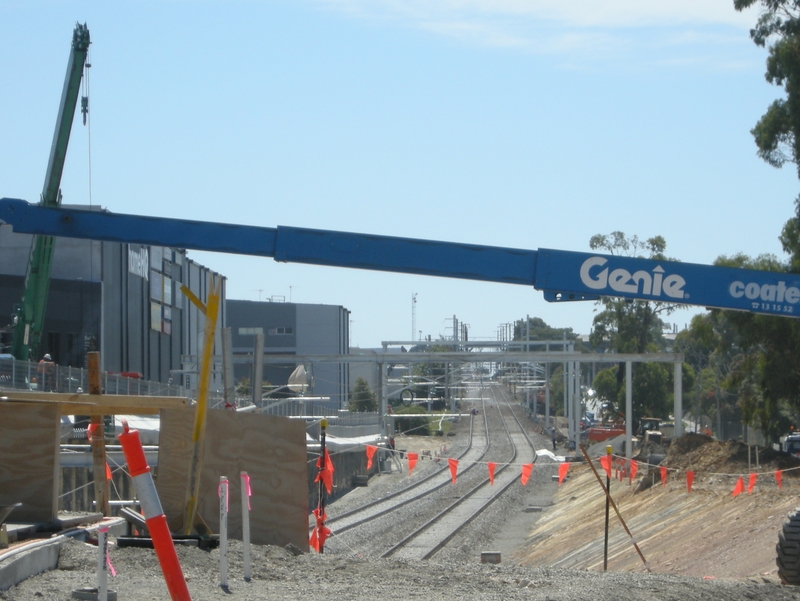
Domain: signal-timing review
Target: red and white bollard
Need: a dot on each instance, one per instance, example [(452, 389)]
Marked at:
[(153, 514)]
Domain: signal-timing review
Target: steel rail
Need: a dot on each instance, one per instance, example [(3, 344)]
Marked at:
[(389, 497), (444, 540)]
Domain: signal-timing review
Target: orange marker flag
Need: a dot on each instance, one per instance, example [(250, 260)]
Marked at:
[(751, 483), (325, 475), (634, 469), (689, 480), (779, 478), (90, 430), (605, 461), (527, 468), (108, 472), (562, 472), (453, 468), (739, 488), (370, 454), (321, 532), (663, 475), (490, 466), (412, 461)]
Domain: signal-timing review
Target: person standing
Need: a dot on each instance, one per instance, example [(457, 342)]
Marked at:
[(553, 436), (46, 371)]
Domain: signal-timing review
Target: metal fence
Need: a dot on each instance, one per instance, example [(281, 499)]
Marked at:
[(49, 377)]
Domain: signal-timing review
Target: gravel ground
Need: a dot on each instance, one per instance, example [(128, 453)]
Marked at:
[(278, 575), (347, 571)]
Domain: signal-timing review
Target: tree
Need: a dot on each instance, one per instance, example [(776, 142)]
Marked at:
[(766, 370), (537, 329), (362, 399), (625, 326), (776, 133)]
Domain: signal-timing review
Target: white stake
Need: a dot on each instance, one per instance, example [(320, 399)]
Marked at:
[(102, 566), (246, 523), (223, 531)]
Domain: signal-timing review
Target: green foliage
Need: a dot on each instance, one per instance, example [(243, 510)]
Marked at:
[(651, 391), (624, 326), (362, 399), (538, 329), (776, 133), (405, 420), (606, 385), (650, 385)]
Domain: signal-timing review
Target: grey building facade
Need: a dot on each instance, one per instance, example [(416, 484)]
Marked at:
[(298, 329), (121, 299)]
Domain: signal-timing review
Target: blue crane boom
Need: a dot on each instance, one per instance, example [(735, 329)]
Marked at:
[(561, 275), (29, 314)]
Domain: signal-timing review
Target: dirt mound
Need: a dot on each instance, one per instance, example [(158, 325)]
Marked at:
[(702, 453)]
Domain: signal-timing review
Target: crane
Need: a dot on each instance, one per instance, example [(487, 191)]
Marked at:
[(29, 314), (561, 275)]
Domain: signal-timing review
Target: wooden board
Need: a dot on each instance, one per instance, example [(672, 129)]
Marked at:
[(95, 404), (29, 450), (271, 449)]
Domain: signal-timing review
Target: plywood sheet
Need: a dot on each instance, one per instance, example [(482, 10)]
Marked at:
[(29, 460), (271, 449)]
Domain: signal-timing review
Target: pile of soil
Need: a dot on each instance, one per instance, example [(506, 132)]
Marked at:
[(702, 453)]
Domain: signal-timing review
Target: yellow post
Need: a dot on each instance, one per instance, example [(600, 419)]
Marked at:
[(210, 310)]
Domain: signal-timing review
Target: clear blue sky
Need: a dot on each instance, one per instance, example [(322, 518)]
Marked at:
[(506, 123)]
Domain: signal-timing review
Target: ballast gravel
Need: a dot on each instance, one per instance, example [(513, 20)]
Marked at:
[(347, 571), (279, 575)]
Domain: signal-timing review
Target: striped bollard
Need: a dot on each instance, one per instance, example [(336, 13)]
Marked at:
[(153, 514)]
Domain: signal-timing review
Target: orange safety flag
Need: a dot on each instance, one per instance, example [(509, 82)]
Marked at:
[(527, 468), (320, 533), (779, 478), (634, 469), (689, 480), (412, 461), (453, 468), (90, 430), (562, 472), (621, 470), (663, 476), (326, 475), (370, 454), (491, 465), (605, 461), (739, 488), (751, 483), (108, 472)]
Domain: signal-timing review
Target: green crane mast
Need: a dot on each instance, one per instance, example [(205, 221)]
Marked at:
[(29, 314)]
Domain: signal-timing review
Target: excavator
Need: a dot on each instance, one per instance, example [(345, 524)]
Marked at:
[(29, 313)]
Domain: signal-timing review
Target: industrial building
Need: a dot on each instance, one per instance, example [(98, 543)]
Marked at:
[(296, 329), (125, 300), (121, 299)]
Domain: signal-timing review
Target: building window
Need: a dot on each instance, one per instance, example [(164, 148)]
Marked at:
[(280, 331), (156, 286), (155, 316)]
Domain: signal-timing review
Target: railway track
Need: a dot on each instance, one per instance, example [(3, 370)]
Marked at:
[(429, 538), (477, 448), (419, 520)]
